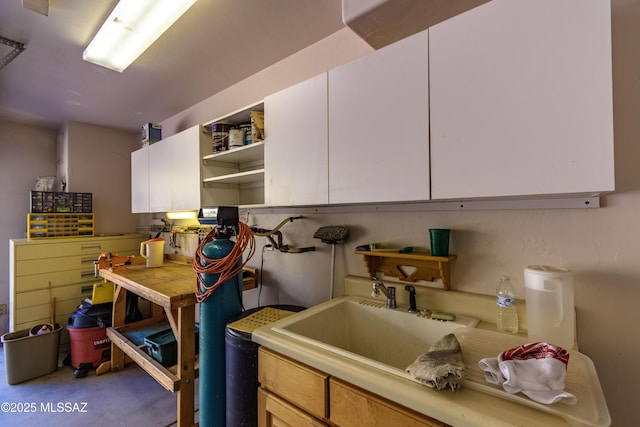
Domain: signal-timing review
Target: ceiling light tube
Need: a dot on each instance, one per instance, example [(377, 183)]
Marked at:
[(130, 29)]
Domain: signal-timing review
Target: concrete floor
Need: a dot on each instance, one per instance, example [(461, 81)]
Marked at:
[(125, 398)]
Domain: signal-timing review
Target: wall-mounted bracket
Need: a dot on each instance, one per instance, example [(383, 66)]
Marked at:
[(409, 267)]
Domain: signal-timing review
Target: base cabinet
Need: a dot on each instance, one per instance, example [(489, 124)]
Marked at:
[(276, 412), (50, 277), (293, 394), (352, 406)]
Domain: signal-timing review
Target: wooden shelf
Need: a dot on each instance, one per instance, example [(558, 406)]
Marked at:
[(422, 266)]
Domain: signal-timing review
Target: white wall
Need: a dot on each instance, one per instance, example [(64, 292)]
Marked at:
[(334, 50), (601, 246), (98, 162), (26, 152)]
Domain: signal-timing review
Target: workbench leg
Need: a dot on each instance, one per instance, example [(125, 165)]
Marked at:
[(118, 319), (186, 365)]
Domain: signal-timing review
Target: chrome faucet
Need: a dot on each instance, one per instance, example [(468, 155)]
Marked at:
[(388, 291)]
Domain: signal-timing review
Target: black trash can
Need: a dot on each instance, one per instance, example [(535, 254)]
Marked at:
[(241, 362)]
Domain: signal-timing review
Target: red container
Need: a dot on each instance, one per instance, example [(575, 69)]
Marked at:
[(89, 345)]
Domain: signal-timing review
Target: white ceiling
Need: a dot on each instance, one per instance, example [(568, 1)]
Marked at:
[(216, 44)]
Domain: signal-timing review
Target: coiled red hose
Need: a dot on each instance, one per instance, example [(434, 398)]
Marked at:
[(227, 267)]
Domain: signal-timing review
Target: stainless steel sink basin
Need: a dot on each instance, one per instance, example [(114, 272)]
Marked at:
[(366, 331)]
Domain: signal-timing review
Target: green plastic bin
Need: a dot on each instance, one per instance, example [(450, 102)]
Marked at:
[(163, 347)]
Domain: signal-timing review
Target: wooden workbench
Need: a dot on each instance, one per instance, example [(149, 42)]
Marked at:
[(171, 288)]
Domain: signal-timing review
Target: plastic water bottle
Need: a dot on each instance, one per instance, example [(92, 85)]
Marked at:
[(506, 301)]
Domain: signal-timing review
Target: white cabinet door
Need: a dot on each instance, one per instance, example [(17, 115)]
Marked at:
[(379, 125), (174, 171), (185, 168), (296, 149), (140, 180), (160, 176), (521, 100)]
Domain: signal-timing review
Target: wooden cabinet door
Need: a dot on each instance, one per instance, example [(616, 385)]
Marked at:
[(379, 125), (305, 387), (351, 406), (296, 149), (521, 100), (276, 412)]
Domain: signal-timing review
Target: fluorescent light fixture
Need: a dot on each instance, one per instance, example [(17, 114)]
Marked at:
[(181, 215), (130, 29)]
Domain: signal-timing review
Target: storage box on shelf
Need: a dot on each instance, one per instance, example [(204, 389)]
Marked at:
[(56, 225), (61, 202), (234, 176)]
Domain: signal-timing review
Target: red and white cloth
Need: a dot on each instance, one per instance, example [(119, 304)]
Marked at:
[(536, 369)]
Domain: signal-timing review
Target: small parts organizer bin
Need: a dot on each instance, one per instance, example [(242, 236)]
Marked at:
[(42, 226), (58, 202)]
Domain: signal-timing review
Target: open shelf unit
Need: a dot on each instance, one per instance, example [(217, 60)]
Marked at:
[(235, 176)]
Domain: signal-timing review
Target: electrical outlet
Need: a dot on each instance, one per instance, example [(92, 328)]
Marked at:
[(3, 309)]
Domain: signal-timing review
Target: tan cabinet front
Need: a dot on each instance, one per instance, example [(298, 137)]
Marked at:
[(276, 412), (303, 386), (351, 406)]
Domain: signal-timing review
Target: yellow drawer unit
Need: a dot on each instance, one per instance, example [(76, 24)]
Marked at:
[(47, 226), (50, 277)]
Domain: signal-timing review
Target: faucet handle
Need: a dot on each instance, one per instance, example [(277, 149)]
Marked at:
[(391, 300), (412, 299)]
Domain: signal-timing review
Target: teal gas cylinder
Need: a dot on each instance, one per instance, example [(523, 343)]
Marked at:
[(222, 305)]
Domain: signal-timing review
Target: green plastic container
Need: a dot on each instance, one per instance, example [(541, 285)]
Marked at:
[(163, 347)]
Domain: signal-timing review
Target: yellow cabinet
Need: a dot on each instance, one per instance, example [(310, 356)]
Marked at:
[(352, 406), (276, 412), (293, 394), (60, 270), (305, 387)]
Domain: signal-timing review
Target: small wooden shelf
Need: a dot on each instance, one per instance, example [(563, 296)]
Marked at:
[(422, 265)]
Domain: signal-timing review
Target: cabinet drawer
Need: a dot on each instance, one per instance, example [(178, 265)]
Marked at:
[(33, 282), (77, 247), (351, 406), (303, 386), (54, 249), (84, 265), (75, 293), (36, 313), (275, 412)]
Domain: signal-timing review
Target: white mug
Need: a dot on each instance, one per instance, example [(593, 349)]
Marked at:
[(153, 252)]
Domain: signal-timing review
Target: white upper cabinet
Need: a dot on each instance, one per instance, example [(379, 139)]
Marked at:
[(379, 125), (160, 175), (186, 159), (296, 147), (521, 100), (140, 180), (174, 171)]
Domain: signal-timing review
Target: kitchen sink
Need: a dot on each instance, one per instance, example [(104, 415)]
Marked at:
[(365, 330)]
